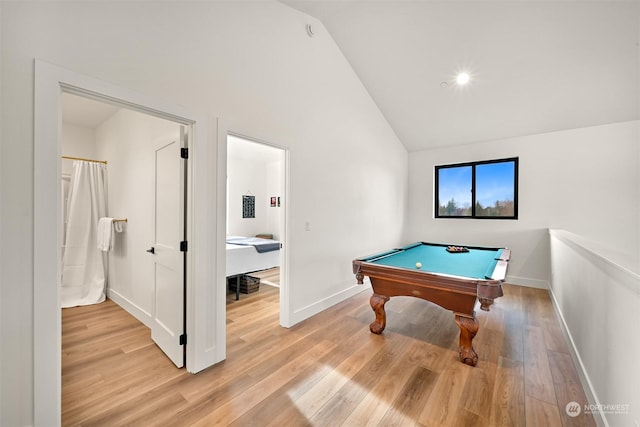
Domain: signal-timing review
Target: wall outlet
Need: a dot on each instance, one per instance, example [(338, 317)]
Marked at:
[(307, 227)]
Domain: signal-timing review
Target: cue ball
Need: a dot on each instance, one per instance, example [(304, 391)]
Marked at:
[(418, 265)]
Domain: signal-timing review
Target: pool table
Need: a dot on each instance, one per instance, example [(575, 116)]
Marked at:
[(454, 277)]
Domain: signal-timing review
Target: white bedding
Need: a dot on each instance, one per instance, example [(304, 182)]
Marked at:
[(245, 259)]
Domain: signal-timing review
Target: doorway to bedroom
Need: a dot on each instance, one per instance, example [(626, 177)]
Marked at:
[(255, 235)]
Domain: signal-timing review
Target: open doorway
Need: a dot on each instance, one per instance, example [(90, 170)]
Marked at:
[(204, 303), (255, 235), (125, 194)]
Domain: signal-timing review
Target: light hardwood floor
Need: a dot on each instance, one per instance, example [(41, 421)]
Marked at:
[(328, 370)]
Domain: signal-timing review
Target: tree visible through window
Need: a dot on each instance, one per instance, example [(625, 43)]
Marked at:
[(487, 189)]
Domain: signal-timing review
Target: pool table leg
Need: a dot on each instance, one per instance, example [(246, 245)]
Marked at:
[(485, 303), (468, 330), (377, 304)]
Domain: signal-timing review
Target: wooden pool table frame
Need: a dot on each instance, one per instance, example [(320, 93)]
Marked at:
[(455, 293)]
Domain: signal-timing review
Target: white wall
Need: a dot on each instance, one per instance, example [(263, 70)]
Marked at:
[(126, 140), (275, 188), (250, 63), (582, 180), (77, 141), (599, 305)]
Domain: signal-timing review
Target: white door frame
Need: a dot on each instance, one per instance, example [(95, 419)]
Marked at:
[(206, 329), (284, 298)]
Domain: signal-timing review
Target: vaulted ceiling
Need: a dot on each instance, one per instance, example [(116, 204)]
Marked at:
[(535, 66)]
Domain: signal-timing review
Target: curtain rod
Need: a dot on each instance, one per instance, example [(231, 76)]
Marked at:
[(85, 160)]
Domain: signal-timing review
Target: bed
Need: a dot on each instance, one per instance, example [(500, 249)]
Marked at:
[(249, 254)]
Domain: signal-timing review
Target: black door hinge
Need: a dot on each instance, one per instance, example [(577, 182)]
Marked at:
[(184, 246), (183, 339), (184, 153)]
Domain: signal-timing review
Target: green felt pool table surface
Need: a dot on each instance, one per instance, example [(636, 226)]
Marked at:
[(477, 263)]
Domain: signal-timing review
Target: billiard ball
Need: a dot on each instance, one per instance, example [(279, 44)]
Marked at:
[(418, 265)]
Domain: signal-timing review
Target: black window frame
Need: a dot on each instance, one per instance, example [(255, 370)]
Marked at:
[(473, 165)]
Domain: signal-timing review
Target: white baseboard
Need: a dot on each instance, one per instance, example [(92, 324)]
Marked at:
[(130, 307), (315, 308), (528, 282), (577, 361)]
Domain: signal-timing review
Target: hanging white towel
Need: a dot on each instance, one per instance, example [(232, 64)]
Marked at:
[(117, 226), (105, 234)]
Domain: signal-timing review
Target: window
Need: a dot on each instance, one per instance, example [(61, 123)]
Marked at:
[(487, 190)]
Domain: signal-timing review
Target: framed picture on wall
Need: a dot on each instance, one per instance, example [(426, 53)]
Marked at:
[(248, 206)]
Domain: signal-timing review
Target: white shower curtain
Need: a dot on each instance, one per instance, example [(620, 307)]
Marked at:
[(83, 265)]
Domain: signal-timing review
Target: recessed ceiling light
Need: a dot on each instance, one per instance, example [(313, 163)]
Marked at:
[(462, 78)]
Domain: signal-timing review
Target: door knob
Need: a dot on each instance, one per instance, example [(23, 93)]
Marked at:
[(152, 250)]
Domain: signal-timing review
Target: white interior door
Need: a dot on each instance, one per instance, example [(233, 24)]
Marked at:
[(169, 231)]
